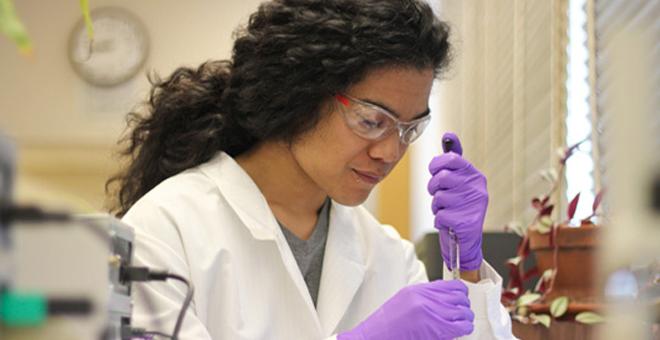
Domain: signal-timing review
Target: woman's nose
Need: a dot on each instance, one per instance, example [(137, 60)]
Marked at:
[(388, 149)]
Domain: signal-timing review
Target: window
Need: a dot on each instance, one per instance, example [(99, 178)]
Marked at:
[(580, 167)]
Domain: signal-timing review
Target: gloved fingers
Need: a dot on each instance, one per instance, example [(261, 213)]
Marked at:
[(449, 218), (443, 199), (454, 300), (449, 161), (455, 143), (449, 286), (449, 294), (459, 202), (451, 321), (462, 327), (459, 313), (444, 180)]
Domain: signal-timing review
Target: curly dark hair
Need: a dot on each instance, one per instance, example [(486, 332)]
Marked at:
[(290, 57)]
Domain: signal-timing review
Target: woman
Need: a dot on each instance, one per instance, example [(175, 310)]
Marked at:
[(246, 177)]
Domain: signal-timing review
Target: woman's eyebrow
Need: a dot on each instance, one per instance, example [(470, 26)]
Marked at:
[(396, 114)]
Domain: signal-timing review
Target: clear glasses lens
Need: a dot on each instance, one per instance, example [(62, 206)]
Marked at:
[(372, 123), (414, 131)]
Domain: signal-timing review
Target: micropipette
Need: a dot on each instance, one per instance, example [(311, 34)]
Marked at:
[(454, 254)]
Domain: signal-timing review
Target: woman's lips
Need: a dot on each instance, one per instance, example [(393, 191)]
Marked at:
[(368, 177)]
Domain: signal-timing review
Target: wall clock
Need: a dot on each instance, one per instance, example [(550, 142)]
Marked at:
[(118, 51)]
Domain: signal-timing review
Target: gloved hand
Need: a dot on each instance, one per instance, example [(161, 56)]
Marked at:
[(460, 199), (433, 310)]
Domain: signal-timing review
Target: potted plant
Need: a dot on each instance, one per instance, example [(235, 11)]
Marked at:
[(565, 259)]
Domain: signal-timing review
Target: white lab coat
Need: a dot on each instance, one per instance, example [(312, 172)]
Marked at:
[(212, 225)]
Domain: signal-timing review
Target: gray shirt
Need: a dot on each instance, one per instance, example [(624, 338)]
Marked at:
[(309, 253)]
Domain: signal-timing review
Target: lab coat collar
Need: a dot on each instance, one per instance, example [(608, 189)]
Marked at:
[(343, 262), (243, 195)]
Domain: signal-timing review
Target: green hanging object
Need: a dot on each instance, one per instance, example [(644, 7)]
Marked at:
[(22, 310), (11, 26), (84, 6)]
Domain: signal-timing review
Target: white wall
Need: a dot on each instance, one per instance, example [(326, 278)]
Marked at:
[(65, 128)]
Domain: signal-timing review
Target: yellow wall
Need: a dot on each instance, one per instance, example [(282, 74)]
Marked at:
[(65, 177), (394, 198)]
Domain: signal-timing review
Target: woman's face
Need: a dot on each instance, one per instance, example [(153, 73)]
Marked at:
[(346, 166)]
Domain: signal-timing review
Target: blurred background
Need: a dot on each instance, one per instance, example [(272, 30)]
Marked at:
[(529, 79), (66, 129), (522, 86)]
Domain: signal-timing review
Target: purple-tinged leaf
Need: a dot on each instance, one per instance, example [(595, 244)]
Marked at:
[(597, 200), (510, 294), (534, 271), (541, 285), (570, 150), (573, 206), (547, 210), (565, 155), (540, 203), (545, 200), (515, 280)]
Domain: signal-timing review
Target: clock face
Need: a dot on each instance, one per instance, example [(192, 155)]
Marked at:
[(117, 52)]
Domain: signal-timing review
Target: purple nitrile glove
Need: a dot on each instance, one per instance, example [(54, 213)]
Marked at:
[(432, 310), (460, 199)]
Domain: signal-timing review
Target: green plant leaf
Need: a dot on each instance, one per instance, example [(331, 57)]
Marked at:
[(547, 274), (559, 306), (542, 228), (84, 7), (549, 175), (516, 227), (11, 26), (589, 318), (546, 221), (515, 260), (527, 298), (543, 319)]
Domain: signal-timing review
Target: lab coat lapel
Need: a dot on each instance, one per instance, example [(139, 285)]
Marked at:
[(251, 206), (343, 268)]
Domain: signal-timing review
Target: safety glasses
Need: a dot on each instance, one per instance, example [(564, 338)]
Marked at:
[(373, 122)]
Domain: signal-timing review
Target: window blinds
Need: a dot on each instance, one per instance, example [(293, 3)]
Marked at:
[(504, 97), (640, 19)]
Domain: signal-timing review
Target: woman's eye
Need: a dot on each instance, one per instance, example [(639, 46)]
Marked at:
[(369, 124)]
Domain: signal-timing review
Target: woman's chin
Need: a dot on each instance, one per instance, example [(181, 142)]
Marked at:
[(351, 199)]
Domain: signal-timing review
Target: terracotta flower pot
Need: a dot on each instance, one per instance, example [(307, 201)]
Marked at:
[(575, 261)]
